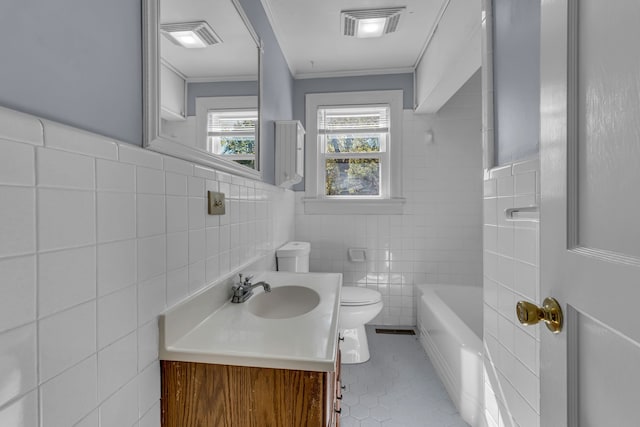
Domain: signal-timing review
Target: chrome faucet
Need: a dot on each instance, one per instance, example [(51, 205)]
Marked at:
[(243, 290)]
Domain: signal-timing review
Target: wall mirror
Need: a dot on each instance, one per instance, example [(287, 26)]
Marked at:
[(202, 62)]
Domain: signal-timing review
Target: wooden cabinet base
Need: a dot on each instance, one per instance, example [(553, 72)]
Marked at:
[(206, 395)]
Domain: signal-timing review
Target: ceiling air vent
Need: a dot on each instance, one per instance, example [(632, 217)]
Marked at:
[(196, 34), (365, 23)]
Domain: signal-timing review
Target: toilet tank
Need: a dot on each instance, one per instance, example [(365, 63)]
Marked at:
[(294, 256)]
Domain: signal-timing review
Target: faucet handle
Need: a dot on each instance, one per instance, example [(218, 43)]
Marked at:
[(247, 279)]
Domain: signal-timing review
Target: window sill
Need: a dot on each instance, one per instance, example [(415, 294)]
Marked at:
[(393, 206)]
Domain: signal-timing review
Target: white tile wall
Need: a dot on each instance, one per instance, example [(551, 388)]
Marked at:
[(438, 239), (96, 239), (511, 273)]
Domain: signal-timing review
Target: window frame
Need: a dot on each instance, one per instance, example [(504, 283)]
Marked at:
[(223, 103), (211, 146), (382, 155), (390, 200)]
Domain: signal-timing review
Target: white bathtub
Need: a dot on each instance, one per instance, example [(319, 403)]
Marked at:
[(450, 327)]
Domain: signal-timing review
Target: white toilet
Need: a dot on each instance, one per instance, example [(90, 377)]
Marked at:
[(357, 305)]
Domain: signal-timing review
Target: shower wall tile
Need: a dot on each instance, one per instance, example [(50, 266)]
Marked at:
[(70, 220), (176, 184), (65, 339), (117, 364), (117, 315), (121, 409), (116, 266), (114, 176), (116, 216), (66, 278), (18, 226), (511, 273), (67, 138), (17, 164), (18, 127), (97, 239), (71, 396), (18, 291), (64, 170), (148, 388), (18, 355), (24, 409), (438, 238)]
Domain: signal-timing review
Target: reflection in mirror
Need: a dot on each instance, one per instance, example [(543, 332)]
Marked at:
[(207, 60)]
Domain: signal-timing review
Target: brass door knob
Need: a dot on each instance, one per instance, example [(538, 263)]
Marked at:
[(550, 312)]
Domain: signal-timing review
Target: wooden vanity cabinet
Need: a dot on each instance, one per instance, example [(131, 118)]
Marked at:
[(209, 395)]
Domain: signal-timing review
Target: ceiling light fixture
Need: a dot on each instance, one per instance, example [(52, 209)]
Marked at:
[(365, 23), (192, 35)]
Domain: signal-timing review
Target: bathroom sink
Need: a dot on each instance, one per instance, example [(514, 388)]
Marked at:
[(284, 302)]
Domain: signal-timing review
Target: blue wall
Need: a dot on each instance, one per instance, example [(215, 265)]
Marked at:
[(516, 77), (302, 87), (77, 62), (277, 86), (195, 90)]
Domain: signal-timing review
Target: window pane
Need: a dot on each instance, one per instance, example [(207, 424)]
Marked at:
[(353, 143), (352, 177), (230, 145)]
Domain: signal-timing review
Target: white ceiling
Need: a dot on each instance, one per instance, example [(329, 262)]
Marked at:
[(310, 36)]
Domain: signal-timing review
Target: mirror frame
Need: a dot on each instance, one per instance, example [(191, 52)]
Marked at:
[(153, 138)]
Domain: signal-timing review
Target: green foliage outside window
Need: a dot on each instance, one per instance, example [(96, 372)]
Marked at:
[(353, 144), (236, 145), (353, 177)]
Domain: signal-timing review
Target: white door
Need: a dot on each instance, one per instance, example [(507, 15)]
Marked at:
[(590, 211)]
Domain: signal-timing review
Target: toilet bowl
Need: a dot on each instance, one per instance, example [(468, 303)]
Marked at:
[(358, 306)]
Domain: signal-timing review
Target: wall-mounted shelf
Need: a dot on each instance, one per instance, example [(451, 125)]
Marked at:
[(289, 152)]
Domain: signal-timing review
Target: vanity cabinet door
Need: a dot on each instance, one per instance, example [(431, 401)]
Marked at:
[(208, 395), (333, 395)]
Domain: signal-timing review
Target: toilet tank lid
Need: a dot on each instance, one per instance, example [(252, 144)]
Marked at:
[(356, 295), (293, 249)]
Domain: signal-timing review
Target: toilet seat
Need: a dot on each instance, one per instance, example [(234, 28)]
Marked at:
[(356, 296)]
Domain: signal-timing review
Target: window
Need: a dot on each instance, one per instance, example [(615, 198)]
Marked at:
[(232, 134), (227, 126), (353, 150), (356, 164)]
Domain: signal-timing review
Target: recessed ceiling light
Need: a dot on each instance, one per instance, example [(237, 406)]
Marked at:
[(192, 35), (364, 23)]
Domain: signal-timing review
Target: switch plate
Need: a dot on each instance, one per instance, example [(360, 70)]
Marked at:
[(215, 202)]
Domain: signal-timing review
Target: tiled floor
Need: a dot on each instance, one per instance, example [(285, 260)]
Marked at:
[(397, 387)]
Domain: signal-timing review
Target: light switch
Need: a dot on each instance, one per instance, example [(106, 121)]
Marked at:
[(215, 203)]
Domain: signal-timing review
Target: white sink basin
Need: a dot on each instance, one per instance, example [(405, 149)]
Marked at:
[(284, 302), (293, 327)]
